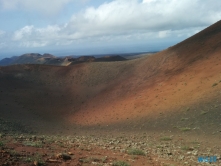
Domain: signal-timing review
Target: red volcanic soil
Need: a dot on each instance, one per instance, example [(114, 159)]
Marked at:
[(173, 92), (184, 76), (128, 93)]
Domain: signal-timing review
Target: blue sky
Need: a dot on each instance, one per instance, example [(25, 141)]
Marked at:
[(64, 27)]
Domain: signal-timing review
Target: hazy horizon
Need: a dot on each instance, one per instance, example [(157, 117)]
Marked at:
[(102, 26), (90, 51)]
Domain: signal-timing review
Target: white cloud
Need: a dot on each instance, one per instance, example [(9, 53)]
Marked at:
[(43, 6), (24, 32), (33, 44), (121, 16), (2, 45), (2, 40), (119, 20), (2, 33), (163, 34), (148, 1), (29, 36)]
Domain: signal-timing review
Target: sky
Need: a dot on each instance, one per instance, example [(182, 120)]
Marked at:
[(84, 27)]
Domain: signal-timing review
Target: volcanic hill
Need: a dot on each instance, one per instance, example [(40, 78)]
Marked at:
[(49, 59), (173, 90)]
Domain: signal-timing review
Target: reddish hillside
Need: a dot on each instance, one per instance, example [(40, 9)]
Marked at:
[(178, 87), (172, 80)]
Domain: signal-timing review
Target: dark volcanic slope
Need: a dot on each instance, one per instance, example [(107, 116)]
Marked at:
[(174, 89), (110, 58), (8, 61), (48, 59)]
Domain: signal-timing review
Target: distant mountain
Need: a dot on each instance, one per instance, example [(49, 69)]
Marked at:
[(49, 59), (30, 58), (176, 90), (8, 61)]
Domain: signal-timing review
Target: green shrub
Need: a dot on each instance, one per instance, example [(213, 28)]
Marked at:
[(214, 84), (166, 139), (203, 113), (37, 158), (185, 129), (120, 163), (185, 148), (135, 152), (36, 144), (1, 144)]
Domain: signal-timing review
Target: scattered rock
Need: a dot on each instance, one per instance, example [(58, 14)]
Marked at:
[(70, 153), (36, 163), (53, 161), (64, 156)]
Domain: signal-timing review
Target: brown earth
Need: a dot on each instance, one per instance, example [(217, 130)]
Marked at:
[(75, 151), (170, 92)]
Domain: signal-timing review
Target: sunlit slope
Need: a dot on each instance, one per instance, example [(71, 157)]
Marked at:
[(182, 77), (180, 82)]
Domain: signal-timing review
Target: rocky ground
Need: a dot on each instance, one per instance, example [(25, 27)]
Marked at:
[(127, 149)]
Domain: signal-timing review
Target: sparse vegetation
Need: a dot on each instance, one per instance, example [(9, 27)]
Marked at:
[(215, 84), (158, 146), (166, 139), (187, 109), (36, 144), (194, 142), (185, 148), (120, 163), (51, 150), (135, 152), (183, 119), (203, 113), (84, 160), (185, 129), (37, 160), (1, 144), (93, 159), (14, 153)]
